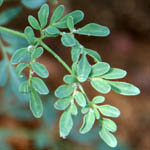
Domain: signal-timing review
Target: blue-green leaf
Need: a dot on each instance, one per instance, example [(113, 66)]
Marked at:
[(80, 99), (99, 69), (43, 15), (57, 14), (37, 53), (70, 23), (19, 55), (65, 124), (64, 91), (93, 29), (20, 68), (68, 40), (115, 73), (98, 99), (109, 111), (50, 30), (24, 87), (100, 85), (39, 86), (40, 69), (33, 22), (9, 14), (36, 105), (1, 2), (73, 108), (124, 88), (69, 79), (108, 138), (77, 16), (84, 69)]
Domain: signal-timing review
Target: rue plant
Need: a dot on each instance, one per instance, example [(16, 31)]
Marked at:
[(72, 97)]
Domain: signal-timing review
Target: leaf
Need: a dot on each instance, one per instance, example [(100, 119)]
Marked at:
[(1, 2), (99, 69), (115, 73), (100, 85), (36, 105), (109, 111), (98, 99), (40, 69), (20, 68), (96, 112), (84, 110), (124, 88), (109, 125), (80, 99), (24, 87), (74, 109), (37, 53), (39, 86), (62, 104), (77, 16), (64, 91), (65, 124), (70, 23), (19, 55), (88, 122), (33, 22), (68, 40), (93, 54), (32, 4), (3, 72), (9, 14), (57, 14), (50, 30), (75, 53), (29, 33), (108, 138), (93, 29), (43, 15), (84, 69), (69, 79)]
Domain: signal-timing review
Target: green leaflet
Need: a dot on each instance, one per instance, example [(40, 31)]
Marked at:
[(24, 87), (100, 85), (77, 16), (43, 15), (3, 72), (109, 111), (115, 73), (98, 99), (36, 105), (93, 54), (20, 68), (39, 86), (37, 53), (109, 125), (80, 99), (84, 110), (88, 122), (93, 29), (29, 35), (1, 2), (40, 69), (57, 14), (75, 68), (69, 79), (97, 114), (70, 23), (65, 124), (73, 108), (33, 22), (19, 55), (75, 53), (124, 88), (99, 69), (68, 40), (64, 91), (50, 30), (84, 69), (108, 138), (62, 104), (10, 13)]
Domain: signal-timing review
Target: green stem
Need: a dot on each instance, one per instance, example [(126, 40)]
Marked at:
[(57, 57), (12, 32)]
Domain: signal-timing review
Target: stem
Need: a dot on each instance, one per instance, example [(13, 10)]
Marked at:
[(12, 32), (57, 57)]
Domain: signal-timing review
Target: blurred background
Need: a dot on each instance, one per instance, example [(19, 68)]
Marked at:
[(127, 47)]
